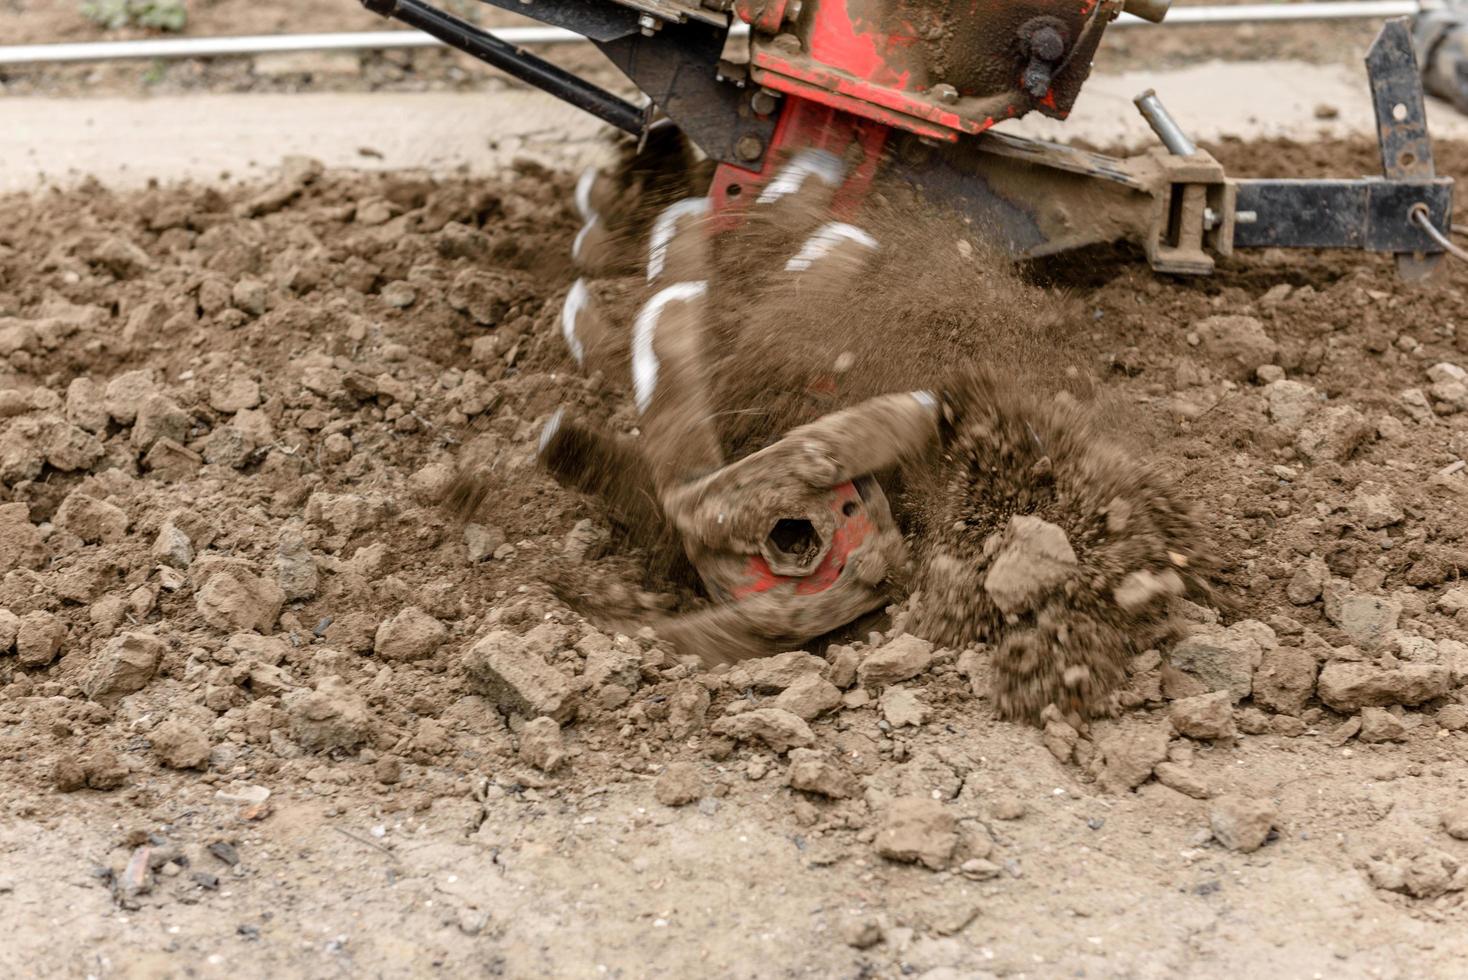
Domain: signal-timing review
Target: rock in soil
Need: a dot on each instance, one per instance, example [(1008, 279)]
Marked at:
[(771, 675), (1220, 659), (1285, 680), (1380, 725), (1367, 619), (899, 660), (1207, 716), (809, 696), (38, 639), (1349, 687), (1128, 755), (180, 745), (778, 729), (812, 771), (1455, 820), (917, 829), (334, 716), (518, 680), (541, 744), (678, 785), (902, 707), (410, 635), (124, 665), (1242, 824)]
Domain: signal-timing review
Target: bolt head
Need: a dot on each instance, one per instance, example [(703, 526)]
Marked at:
[(749, 148), (945, 93)]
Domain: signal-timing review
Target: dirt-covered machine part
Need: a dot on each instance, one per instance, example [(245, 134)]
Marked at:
[(911, 89)]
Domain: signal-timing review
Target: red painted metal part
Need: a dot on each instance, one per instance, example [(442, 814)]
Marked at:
[(851, 531), (804, 125)]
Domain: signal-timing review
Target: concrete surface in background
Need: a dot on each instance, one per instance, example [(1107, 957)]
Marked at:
[(127, 142)]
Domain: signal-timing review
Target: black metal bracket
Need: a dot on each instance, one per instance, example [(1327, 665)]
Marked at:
[(1371, 213), (676, 65), (1401, 133), (514, 61)]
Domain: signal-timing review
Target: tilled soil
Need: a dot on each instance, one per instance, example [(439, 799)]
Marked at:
[(266, 709)]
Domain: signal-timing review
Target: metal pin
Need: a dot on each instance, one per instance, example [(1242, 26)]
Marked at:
[(1162, 123)]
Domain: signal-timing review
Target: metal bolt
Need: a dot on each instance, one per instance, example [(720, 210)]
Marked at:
[(650, 25), (792, 11), (945, 93), (1047, 44), (787, 43), (749, 148), (1246, 217), (764, 101), (1211, 219)]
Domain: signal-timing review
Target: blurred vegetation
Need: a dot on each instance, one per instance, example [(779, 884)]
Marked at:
[(158, 15)]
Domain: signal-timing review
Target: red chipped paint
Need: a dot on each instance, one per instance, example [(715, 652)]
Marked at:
[(850, 534)]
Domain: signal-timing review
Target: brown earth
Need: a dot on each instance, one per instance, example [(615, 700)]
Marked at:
[(224, 417)]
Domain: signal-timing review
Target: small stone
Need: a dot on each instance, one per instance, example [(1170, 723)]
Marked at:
[(918, 829), (861, 933), (1127, 756), (38, 639), (687, 708), (1285, 680), (1239, 343), (125, 394), (1033, 558), (1453, 717), (778, 729), (125, 665), (1142, 588), (844, 661), (388, 770), (331, 717), (250, 295), (236, 600), (1007, 806), (482, 542), (399, 295), (541, 745), (1334, 434), (769, 675), (180, 745), (94, 521), (902, 707), (901, 659), (1374, 508), (234, 395), (104, 770), (1367, 619), (809, 696), (410, 635), (85, 405), (1308, 582), (21, 544), (678, 785), (812, 771), (1455, 820), (1291, 403), (9, 630), (1242, 824), (1207, 716), (159, 417), (1221, 659), (67, 774), (1380, 725), (1348, 687), (1182, 779), (520, 681), (172, 547)]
